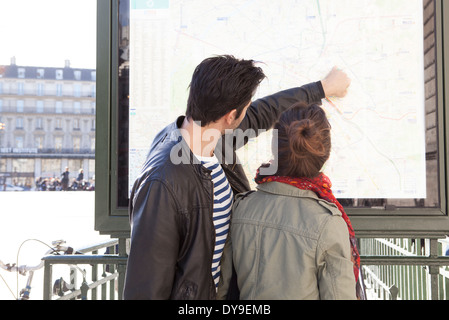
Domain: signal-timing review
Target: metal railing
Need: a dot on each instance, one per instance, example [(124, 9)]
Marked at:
[(405, 269), (105, 274), (393, 268)]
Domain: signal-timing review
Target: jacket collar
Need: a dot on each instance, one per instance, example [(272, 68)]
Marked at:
[(283, 189), (175, 136), (286, 190)]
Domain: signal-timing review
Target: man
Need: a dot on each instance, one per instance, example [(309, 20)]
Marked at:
[(65, 179), (80, 179), (180, 204)]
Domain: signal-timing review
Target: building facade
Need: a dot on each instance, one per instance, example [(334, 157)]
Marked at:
[(48, 123)]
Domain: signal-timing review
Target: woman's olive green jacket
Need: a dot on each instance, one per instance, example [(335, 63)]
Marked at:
[(287, 244)]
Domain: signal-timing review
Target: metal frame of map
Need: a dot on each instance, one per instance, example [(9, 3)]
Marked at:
[(113, 220)]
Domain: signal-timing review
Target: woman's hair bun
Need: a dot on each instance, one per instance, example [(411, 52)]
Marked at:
[(304, 140), (302, 128)]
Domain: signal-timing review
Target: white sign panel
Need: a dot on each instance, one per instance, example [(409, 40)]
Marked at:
[(378, 129)]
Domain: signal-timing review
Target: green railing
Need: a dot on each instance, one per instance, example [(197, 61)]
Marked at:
[(100, 273), (405, 269), (393, 269)]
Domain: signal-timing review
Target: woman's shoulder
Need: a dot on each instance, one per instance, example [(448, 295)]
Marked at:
[(306, 212)]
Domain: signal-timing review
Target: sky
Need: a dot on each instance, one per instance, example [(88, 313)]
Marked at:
[(47, 32)]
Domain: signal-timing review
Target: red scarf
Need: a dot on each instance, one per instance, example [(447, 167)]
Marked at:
[(321, 185)]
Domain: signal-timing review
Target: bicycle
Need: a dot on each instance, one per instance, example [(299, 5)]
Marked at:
[(57, 248)]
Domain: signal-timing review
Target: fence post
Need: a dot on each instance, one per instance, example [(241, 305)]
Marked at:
[(394, 291), (84, 289), (73, 279), (434, 271), (94, 278), (47, 280), (121, 268)]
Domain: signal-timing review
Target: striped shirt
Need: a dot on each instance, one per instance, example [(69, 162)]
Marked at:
[(223, 200)]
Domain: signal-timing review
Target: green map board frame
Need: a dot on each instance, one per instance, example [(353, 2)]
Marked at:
[(112, 219)]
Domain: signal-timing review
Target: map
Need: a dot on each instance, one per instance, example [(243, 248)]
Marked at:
[(378, 129)]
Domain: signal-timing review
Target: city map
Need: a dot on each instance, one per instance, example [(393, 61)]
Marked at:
[(378, 129)]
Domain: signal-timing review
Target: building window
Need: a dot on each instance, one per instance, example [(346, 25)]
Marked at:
[(93, 75), (92, 143), (59, 74), (77, 75), (92, 170), (39, 123), (39, 142), (93, 90), (20, 106), (2, 165), (40, 89), (23, 165), (40, 106), (58, 124), (40, 73), (51, 167), (58, 143), (19, 123), (75, 164), (76, 144), (92, 125), (20, 88), (58, 108), (59, 90), (77, 90), (76, 124), (77, 107), (18, 142), (21, 73)]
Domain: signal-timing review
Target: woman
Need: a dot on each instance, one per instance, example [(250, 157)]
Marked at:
[(291, 239)]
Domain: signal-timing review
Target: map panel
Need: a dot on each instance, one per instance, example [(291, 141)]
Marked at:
[(378, 129)]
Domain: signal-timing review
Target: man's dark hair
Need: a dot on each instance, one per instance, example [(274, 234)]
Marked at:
[(221, 84)]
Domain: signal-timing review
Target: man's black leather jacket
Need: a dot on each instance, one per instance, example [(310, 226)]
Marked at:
[(171, 206)]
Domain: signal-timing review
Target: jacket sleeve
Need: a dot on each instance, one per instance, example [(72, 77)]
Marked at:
[(336, 280), (263, 113), (154, 244)]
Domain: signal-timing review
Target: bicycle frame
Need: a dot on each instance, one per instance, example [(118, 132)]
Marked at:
[(25, 269)]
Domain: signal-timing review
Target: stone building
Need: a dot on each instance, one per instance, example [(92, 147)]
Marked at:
[(48, 123)]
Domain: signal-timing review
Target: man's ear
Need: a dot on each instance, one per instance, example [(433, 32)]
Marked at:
[(230, 117)]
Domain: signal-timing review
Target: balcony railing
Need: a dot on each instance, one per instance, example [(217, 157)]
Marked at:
[(48, 93), (31, 151), (46, 110)]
